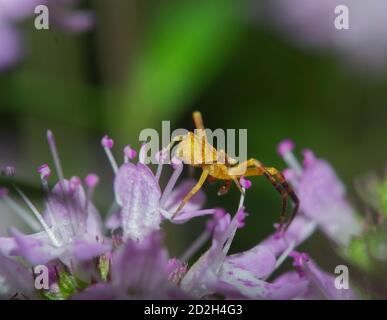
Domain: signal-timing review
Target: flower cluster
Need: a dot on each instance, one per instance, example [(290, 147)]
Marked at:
[(125, 257), (13, 12)]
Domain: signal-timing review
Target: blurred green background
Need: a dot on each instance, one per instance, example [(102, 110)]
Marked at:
[(148, 61)]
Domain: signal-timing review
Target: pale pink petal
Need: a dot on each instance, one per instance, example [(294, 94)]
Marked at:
[(260, 261), (15, 279), (138, 193)]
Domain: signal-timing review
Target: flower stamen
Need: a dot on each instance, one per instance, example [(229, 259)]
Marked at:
[(108, 144), (20, 212), (129, 153), (38, 216), (171, 183), (91, 181), (59, 171), (285, 149)]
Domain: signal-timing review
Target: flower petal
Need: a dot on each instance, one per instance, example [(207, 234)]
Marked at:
[(138, 193), (16, 10), (322, 285), (68, 211), (100, 291), (322, 197), (251, 287), (260, 261), (147, 261), (299, 230), (35, 248), (7, 245), (77, 21), (11, 45), (15, 279), (178, 194), (83, 250)]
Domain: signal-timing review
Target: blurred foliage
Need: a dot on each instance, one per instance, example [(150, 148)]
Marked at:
[(185, 44)]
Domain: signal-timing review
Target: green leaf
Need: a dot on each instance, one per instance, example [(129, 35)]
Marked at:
[(47, 295), (69, 284), (382, 193), (369, 251), (104, 267), (358, 253)]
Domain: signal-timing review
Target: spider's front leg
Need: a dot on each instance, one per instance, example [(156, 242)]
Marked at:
[(193, 191)]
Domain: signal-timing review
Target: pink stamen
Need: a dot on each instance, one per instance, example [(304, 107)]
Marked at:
[(107, 142), (129, 152), (285, 147), (91, 180), (245, 183), (75, 182), (309, 157), (45, 171)]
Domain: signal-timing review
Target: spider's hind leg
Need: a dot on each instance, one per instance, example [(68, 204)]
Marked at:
[(289, 192), (279, 182), (293, 196), (284, 197)]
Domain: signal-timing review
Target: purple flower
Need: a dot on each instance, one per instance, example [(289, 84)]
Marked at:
[(69, 20), (72, 227), (243, 275), (322, 195), (139, 270), (69, 233), (320, 284), (11, 45), (142, 204), (12, 12), (312, 24), (133, 263)]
